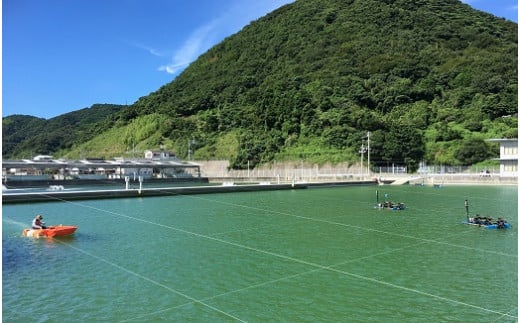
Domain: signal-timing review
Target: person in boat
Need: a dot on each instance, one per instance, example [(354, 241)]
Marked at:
[(483, 220), (478, 220), (37, 222), (501, 223)]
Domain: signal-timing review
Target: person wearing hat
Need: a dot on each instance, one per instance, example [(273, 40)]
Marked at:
[(37, 223)]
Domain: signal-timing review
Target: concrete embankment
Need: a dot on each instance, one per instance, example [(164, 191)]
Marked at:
[(98, 182), (452, 179), (55, 196)]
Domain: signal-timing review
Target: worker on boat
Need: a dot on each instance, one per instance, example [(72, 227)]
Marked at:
[(37, 222), (478, 219), (501, 223)]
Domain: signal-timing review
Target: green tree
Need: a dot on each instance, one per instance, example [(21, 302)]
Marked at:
[(404, 143), (472, 151)]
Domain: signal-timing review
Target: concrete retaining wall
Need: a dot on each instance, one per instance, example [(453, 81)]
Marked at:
[(57, 196)]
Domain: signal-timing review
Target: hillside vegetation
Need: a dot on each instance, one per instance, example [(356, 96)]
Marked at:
[(26, 136), (430, 80)]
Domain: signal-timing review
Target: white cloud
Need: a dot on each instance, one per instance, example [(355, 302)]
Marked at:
[(150, 50), (199, 41)]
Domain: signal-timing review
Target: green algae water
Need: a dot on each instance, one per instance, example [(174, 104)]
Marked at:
[(313, 255)]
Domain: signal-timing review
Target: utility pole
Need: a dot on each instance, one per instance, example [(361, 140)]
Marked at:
[(189, 149), (362, 152), (368, 150), (190, 142)]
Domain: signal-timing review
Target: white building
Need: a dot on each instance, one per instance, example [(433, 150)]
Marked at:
[(42, 157), (508, 157), (158, 154)]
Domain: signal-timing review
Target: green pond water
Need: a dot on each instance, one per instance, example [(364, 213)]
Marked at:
[(312, 255)]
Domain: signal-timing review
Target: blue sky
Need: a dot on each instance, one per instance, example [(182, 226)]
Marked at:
[(64, 55)]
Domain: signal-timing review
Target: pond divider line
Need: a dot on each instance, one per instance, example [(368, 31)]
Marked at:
[(281, 256), (167, 193), (277, 255), (192, 299), (358, 227), (277, 280), (504, 315)]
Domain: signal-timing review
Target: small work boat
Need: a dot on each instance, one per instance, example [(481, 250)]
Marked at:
[(388, 205), (488, 223), (51, 231), (391, 206), (485, 221)]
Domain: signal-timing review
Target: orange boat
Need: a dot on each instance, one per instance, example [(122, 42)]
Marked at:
[(53, 231)]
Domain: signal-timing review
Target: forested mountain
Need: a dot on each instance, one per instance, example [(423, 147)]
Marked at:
[(23, 136), (430, 80)]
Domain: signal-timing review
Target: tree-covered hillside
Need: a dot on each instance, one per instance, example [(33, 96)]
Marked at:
[(430, 80), (26, 136)]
